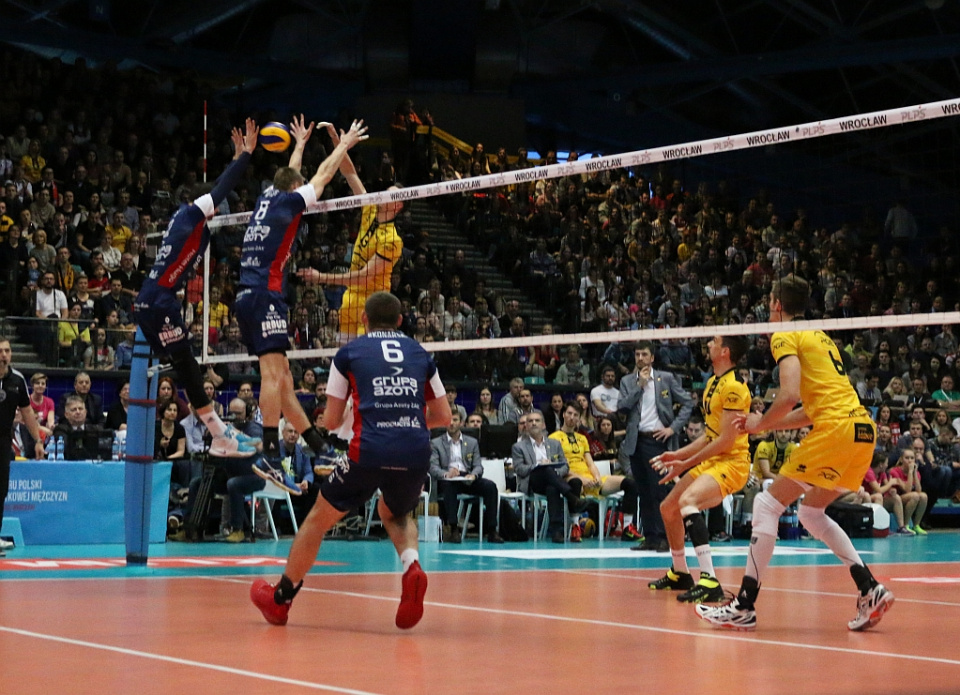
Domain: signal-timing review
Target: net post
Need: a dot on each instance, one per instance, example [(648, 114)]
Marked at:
[(138, 464)]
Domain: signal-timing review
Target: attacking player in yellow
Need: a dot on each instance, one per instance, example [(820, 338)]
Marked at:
[(376, 250), (830, 462), (720, 463)]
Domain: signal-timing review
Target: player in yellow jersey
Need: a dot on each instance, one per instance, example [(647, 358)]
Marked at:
[(582, 469), (719, 464), (830, 462), (376, 250)]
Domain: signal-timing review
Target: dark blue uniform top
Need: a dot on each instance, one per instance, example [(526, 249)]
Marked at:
[(391, 378), (268, 242), (188, 235)]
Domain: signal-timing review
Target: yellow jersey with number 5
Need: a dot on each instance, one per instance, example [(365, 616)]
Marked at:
[(825, 390)]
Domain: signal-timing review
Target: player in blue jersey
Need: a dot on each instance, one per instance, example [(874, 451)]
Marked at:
[(261, 308), (157, 308), (397, 398)]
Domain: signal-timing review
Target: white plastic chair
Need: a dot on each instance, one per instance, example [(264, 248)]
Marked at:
[(372, 506), (268, 493), (495, 470)]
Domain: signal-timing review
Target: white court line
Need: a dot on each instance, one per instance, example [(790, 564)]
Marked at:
[(637, 578), (184, 662), (713, 634)]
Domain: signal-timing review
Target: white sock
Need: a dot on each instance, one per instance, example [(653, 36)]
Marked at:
[(213, 423), (705, 559), (408, 557), (627, 520), (679, 560)]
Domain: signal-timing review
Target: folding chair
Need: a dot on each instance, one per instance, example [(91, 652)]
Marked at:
[(268, 493)]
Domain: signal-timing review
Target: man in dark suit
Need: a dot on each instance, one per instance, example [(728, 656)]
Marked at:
[(80, 439), (648, 396), (542, 468), (455, 465), (91, 401)]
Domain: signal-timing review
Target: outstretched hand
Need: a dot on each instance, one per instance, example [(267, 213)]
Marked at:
[(331, 131), (669, 465), (249, 143), (747, 423), (301, 132), (355, 134)]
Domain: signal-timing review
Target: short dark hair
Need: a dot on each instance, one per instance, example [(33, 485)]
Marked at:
[(737, 345), (383, 310), (574, 405), (643, 345), (793, 293), (286, 177)]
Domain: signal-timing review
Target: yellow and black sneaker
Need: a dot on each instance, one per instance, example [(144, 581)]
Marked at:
[(673, 581), (707, 590)]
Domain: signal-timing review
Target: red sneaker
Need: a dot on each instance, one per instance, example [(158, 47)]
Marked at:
[(261, 593), (410, 609), (576, 534), (631, 533)]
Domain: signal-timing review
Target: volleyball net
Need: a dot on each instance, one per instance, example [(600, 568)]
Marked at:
[(799, 196)]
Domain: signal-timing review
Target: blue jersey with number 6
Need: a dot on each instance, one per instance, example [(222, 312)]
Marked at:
[(391, 378)]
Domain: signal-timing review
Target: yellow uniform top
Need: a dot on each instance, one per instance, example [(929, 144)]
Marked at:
[(575, 448), (772, 453), (726, 392), (825, 390), (375, 240)]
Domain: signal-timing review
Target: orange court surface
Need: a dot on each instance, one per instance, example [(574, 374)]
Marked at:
[(519, 618)]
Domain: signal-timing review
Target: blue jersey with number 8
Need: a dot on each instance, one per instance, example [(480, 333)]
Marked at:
[(391, 378)]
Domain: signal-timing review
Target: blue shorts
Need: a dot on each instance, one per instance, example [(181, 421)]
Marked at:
[(351, 485), (159, 314), (262, 317)]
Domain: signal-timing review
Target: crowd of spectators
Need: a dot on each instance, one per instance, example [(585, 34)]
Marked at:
[(88, 184)]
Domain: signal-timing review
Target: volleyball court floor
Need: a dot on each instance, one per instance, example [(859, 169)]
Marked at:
[(517, 618)]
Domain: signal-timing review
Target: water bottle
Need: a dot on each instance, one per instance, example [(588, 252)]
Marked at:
[(51, 448), (59, 449), (123, 448), (115, 452)]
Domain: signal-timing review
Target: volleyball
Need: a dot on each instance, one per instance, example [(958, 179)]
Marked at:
[(275, 137)]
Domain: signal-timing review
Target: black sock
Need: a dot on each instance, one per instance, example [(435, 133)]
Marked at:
[(271, 442), (697, 528), (285, 591), (749, 588), (863, 577), (315, 440)]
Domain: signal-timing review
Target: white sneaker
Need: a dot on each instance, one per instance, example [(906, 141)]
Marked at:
[(870, 608), (729, 616), (5, 545)]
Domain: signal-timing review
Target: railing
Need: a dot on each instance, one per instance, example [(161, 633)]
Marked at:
[(43, 336)]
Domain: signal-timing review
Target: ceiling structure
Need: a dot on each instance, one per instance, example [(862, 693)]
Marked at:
[(591, 74)]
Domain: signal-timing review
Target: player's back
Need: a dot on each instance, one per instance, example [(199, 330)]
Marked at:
[(270, 236), (376, 239), (825, 390), (391, 378), (726, 392), (185, 240)]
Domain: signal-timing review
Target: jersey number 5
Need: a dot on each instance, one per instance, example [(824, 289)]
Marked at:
[(391, 351)]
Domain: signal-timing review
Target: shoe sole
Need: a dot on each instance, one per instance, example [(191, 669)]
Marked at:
[(877, 614), (406, 622), (702, 599), (270, 479), (234, 454), (724, 626)]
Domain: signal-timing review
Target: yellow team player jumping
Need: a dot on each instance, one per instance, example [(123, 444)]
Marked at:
[(375, 252), (831, 461), (720, 463)]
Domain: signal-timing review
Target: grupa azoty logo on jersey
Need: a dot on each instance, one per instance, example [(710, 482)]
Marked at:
[(395, 386)]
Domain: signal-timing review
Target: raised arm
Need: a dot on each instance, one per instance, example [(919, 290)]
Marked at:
[(330, 165), (301, 133), (346, 165)]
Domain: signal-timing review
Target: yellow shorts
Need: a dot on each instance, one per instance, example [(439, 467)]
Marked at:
[(835, 455), (730, 472), (351, 309)]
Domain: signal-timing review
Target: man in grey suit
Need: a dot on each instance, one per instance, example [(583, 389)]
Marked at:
[(648, 396), (456, 467), (541, 468)]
